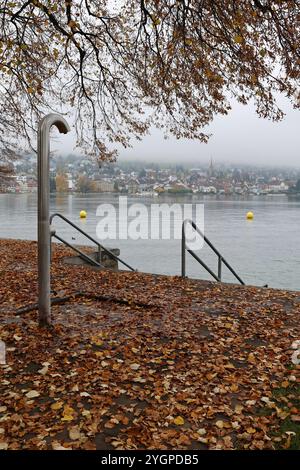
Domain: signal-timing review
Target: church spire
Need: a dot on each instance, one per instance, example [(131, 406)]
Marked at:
[(211, 167)]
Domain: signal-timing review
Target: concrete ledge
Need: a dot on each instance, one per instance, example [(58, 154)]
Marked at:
[(105, 259)]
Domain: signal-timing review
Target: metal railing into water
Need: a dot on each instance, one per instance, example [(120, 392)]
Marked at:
[(221, 260), (77, 250)]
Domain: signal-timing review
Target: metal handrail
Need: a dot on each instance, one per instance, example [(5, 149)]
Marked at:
[(217, 277), (100, 247), (81, 253)]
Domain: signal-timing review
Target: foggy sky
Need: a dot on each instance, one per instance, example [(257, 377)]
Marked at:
[(240, 137)]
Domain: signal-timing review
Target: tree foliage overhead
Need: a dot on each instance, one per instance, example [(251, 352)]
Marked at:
[(122, 66)]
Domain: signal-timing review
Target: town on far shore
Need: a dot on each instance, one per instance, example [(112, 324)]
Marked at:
[(73, 173)]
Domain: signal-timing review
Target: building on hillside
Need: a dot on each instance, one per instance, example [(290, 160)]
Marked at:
[(104, 186), (133, 186)]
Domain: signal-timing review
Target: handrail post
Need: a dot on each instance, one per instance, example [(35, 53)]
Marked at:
[(183, 247), (43, 213), (52, 233), (99, 254), (220, 267)]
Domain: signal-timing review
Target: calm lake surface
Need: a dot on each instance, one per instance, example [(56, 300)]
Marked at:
[(263, 251)]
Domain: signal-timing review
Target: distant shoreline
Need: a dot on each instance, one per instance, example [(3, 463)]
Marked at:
[(161, 195)]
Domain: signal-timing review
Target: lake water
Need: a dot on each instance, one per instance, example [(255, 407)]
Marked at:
[(263, 251)]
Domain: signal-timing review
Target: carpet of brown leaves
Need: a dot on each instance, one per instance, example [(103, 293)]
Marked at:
[(142, 361)]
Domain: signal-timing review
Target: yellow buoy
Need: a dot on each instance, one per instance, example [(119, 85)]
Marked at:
[(82, 214), (250, 215)]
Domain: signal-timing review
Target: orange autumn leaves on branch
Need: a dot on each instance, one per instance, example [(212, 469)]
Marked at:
[(121, 67)]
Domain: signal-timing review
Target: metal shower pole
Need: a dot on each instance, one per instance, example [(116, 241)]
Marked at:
[(43, 212)]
